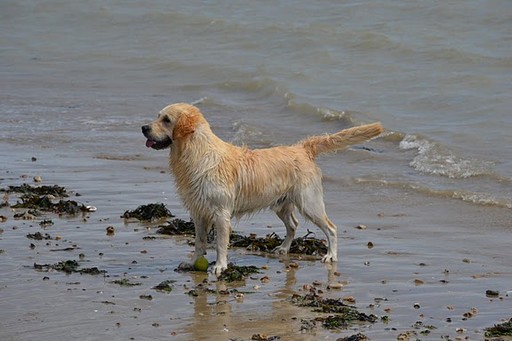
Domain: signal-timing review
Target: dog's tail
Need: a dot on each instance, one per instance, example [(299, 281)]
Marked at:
[(316, 145)]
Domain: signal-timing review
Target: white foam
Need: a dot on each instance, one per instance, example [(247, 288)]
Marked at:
[(432, 158)]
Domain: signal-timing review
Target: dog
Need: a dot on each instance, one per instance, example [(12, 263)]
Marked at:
[(218, 181)]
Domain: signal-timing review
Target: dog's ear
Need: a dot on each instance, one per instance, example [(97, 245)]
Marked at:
[(185, 125)]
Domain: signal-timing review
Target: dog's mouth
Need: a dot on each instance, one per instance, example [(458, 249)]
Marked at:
[(162, 144)]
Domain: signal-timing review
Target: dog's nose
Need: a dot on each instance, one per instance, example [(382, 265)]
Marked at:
[(146, 129)]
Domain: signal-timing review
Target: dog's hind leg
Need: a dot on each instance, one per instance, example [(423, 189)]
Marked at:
[(313, 208), (285, 213)]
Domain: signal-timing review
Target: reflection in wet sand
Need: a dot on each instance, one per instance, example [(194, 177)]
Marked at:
[(220, 314)]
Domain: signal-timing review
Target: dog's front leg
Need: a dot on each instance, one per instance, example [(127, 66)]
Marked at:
[(201, 228), (222, 227)]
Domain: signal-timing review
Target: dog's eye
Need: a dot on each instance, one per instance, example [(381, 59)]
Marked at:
[(166, 119)]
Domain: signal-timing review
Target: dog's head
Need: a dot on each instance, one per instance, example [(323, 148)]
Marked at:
[(175, 123)]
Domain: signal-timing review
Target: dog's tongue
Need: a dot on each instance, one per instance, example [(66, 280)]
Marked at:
[(150, 143)]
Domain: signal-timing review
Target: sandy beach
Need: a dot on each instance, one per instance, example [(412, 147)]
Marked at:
[(402, 266)]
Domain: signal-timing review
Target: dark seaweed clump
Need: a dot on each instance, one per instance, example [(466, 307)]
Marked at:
[(177, 227), (125, 282), (44, 203), (39, 198), (148, 212), (303, 245), (503, 329), (54, 190), (343, 314), (355, 337), (235, 273), (68, 266), (39, 236), (165, 286)]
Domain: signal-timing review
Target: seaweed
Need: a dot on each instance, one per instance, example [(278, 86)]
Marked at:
[(148, 212), (263, 244), (56, 191), (125, 282), (165, 286), (235, 273), (503, 329), (305, 245), (39, 236), (177, 227), (44, 203), (343, 315), (263, 337), (45, 223), (308, 246), (355, 337), (69, 266)]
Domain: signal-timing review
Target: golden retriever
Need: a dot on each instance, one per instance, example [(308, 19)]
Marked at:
[(218, 181)]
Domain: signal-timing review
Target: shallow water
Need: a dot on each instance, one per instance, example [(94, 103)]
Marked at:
[(79, 79)]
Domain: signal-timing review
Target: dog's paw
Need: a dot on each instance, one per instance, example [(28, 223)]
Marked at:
[(217, 269), (280, 250), (329, 258)]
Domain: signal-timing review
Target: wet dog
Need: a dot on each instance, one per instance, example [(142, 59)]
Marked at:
[(218, 181)]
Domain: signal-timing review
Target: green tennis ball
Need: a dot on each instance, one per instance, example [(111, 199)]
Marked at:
[(201, 264)]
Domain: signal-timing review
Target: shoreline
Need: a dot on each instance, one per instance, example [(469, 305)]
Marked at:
[(413, 263)]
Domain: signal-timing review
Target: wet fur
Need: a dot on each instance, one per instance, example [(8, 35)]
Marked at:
[(218, 181)]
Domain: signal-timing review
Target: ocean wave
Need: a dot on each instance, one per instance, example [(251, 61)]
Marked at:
[(246, 133), (433, 158), (472, 197)]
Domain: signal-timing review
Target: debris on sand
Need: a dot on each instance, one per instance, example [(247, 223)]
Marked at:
[(343, 315), (150, 212), (125, 282), (263, 337), (44, 203), (55, 191), (355, 337), (235, 273), (68, 266), (40, 198), (503, 329), (303, 245), (177, 227), (39, 236), (165, 286)]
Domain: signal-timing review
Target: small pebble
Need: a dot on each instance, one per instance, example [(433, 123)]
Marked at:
[(335, 285), (349, 299), (361, 227), (37, 178), (492, 293)]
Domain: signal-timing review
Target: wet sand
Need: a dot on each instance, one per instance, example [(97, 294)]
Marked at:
[(426, 275)]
